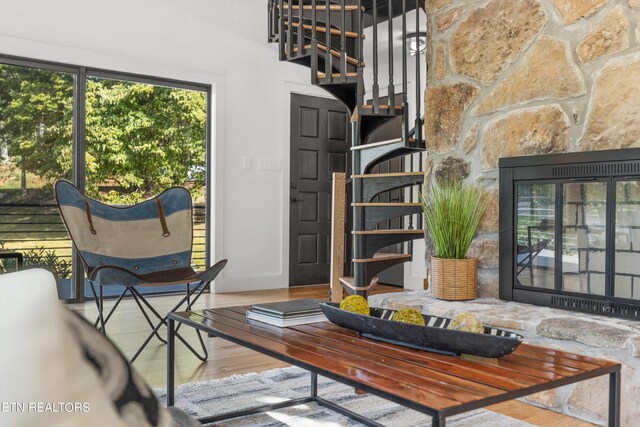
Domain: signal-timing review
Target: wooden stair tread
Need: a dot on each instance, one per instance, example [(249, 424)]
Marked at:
[(320, 29), (387, 142), (334, 52), (391, 231), (376, 144), (381, 257), (322, 75), (384, 205), (388, 175), (348, 8), (349, 282)]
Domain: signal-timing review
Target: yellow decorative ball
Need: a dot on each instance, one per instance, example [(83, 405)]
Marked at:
[(355, 304), (467, 322), (408, 315)]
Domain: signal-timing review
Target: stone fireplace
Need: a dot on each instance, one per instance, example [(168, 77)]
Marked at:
[(527, 78), (570, 231)]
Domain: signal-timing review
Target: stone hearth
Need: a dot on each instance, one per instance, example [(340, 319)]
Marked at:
[(609, 338)]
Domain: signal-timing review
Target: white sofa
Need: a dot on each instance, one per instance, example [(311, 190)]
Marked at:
[(57, 370)]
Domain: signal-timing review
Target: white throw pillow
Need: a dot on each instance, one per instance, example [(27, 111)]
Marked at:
[(44, 377)]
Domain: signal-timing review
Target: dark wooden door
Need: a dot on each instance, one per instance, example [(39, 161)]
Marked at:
[(320, 143)]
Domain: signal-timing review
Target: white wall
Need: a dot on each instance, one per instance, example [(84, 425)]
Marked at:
[(218, 42)]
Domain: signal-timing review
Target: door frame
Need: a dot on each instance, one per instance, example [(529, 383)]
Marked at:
[(288, 89)]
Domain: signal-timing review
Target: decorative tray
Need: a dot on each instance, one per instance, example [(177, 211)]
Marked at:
[(434, 336)]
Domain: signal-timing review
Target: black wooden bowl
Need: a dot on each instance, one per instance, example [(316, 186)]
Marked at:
[(435, 336)]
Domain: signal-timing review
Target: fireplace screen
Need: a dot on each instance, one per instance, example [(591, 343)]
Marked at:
[(570, 231)]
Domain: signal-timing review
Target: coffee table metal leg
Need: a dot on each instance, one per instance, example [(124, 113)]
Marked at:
[(170, 361), (314, 384), (439, 422), (614, 399)]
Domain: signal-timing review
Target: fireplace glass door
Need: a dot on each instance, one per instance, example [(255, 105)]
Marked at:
[(570, 231), (584, 237), (582, 265), (627, 240), (535, 235)]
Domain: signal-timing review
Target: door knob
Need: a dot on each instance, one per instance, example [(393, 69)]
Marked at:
[(295, 199)]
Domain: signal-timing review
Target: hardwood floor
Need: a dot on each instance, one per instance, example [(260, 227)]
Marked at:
[(128, 329)]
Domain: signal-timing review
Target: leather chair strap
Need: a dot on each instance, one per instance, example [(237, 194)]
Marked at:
[(163, 220), (87, 210)]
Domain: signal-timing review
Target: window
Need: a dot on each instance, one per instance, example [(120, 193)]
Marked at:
[(36, 148), (122, 138)]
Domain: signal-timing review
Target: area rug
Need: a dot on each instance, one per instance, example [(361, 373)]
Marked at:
[(244, 391)]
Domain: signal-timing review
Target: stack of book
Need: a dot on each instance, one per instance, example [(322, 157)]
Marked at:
[(288, 313)]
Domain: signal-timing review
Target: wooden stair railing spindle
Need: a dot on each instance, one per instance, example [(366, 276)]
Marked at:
[(275, 21), (405, 75), (281, 30), (375, 89), (328, 61), (300, 28), (391, 96), (418, 127), (343, 40), (290, 29), (314, 44), (359, 29), (359, 55), (270, 32)]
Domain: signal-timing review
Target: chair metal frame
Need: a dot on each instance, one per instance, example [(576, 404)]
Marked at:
[(101, 320), (201, 280)]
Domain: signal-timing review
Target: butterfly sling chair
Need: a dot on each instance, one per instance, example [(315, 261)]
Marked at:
[(144, 245)]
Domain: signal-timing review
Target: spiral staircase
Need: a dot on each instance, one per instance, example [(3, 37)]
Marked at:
[(329, 38)]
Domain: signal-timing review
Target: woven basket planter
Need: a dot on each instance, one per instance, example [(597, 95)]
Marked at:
[(454, 279)]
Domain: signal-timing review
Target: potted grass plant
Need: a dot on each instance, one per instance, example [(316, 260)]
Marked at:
[(453, 213)]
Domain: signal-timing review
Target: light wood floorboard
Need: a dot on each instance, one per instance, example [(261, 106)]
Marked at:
[(128, 329)]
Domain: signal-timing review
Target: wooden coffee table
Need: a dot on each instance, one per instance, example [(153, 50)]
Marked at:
[(435, 384)]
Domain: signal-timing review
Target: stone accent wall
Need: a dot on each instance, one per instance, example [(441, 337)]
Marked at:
[(526, 77)]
